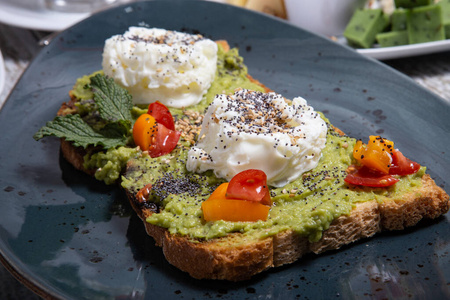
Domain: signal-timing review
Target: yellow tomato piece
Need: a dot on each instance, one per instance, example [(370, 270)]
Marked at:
[(234, 210), (219, 192), (219, 207), (376, 154), (144, 131), (384, 144)]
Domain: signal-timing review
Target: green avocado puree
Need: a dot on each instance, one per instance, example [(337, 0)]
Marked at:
[(307, 205), (231, 74), (109, 164)]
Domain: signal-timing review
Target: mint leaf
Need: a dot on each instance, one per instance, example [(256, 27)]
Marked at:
[(111, 130), (120, 128), (75, 130), (114, 102)]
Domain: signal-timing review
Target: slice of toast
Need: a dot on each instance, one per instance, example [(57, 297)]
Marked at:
[(237, 257)]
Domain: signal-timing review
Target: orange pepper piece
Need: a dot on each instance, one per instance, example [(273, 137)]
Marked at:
[(144, 131), (234, 210), (218, 207), (376, 155), (219, 192)]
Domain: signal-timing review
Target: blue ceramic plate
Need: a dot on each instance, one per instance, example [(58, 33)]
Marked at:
[(66, 235)]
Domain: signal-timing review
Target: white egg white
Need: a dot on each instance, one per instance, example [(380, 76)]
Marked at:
[(155, 64), (254, 130)]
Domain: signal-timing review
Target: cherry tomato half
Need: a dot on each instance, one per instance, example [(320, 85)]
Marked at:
[(142, 194), (144, 131), (250, 185), (234, 210), (402, 165), (376, 154), (166, 140), (367, 177), (219, 207), (161, 114), (154, 137), (219, 192)]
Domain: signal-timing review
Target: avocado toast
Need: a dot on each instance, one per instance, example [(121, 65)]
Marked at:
[(316, 213), (236, 251)]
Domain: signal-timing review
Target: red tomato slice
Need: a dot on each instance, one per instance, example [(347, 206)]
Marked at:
[(401, 165), (155, 131), (366, 177), (250, 185), (161, 114), (165, 141)]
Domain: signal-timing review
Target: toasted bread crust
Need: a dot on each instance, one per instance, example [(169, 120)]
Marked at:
[(236, 257), (233, 258), (75, 156)]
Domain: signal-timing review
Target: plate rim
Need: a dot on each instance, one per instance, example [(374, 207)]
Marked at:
[(378, 62), (2, 75), (14, 14), (406, 50)]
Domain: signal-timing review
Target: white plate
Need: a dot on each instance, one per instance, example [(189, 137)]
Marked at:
[(406, 50), (34, 15), (402, 51)]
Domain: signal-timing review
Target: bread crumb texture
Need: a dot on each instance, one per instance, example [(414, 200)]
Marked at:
[(238, 257)]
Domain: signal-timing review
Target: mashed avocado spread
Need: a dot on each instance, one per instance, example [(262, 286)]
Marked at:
[(231, 73), (307, 205)]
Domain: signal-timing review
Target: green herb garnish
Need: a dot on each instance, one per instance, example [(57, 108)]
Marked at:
[(114, 102), (114, 106)]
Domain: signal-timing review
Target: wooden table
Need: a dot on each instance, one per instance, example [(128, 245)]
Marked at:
[(20, 46)]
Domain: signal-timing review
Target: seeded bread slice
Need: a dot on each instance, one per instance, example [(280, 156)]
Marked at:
[(235, 258)]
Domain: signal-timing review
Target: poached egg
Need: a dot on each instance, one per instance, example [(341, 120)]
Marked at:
[(255, 130), (155, 64)]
